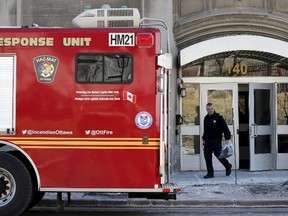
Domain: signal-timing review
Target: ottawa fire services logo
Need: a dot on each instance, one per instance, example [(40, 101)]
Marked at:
[(45, 68), (143, 120)]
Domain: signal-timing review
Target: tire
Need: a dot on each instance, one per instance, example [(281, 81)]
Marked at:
[(15, 186)]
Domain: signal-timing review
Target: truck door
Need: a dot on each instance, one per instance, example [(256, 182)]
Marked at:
[(165, 62), (7, 94)]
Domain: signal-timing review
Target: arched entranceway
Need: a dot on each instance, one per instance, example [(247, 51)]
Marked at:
[(246, 77)]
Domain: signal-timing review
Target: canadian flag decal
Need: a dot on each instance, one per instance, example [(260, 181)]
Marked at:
[(129, 96)]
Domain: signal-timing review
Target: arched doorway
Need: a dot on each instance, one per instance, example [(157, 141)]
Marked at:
[(246, 76)]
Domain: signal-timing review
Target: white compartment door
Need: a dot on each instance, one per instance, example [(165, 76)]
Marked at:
[(7, 94)]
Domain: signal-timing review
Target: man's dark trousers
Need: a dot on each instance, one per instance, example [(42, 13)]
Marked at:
[(210, 146)]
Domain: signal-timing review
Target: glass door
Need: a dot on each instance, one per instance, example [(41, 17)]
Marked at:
[(224, 97), (190, 129), (282, 126), (261, 126)]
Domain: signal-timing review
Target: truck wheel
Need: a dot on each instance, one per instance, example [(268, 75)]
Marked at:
[(15, 185)]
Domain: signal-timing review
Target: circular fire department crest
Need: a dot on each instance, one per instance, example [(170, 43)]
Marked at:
[(143, 120)]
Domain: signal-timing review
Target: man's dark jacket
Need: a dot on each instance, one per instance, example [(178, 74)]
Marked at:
[(214, 126)]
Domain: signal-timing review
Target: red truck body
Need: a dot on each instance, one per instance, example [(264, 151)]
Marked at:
[(83, 107)]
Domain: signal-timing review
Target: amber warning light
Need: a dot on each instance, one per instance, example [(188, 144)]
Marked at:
[(145, 40)]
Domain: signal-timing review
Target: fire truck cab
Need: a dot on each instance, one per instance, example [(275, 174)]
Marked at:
[(83, 109)]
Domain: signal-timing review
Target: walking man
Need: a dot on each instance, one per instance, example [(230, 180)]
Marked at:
[(214, 127)]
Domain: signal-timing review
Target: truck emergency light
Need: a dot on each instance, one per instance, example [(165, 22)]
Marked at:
[(144, 40)]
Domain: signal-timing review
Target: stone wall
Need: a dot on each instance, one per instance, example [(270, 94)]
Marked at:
[(188, 7), (8, 13), (198, 20), (55, 13)]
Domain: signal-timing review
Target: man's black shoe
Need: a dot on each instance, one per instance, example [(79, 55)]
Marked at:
[(228, 170), (208, 176)]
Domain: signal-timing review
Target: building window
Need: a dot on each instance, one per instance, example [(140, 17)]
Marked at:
[(190, 104), (104, 68), (222, 101), (282, 103), (283, 143), (190, 144)]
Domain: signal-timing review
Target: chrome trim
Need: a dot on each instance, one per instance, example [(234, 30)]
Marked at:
[(116, 190)]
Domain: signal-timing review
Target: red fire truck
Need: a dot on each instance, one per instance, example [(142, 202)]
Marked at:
[(83, 109)]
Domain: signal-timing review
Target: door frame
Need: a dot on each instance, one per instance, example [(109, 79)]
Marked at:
[(204, 88), (264, 161), (191, 161), (280, 159)]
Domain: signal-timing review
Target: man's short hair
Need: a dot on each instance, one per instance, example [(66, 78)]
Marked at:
[(209, 105)]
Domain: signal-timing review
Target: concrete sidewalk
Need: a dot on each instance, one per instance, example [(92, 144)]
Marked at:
[(241, 188)]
